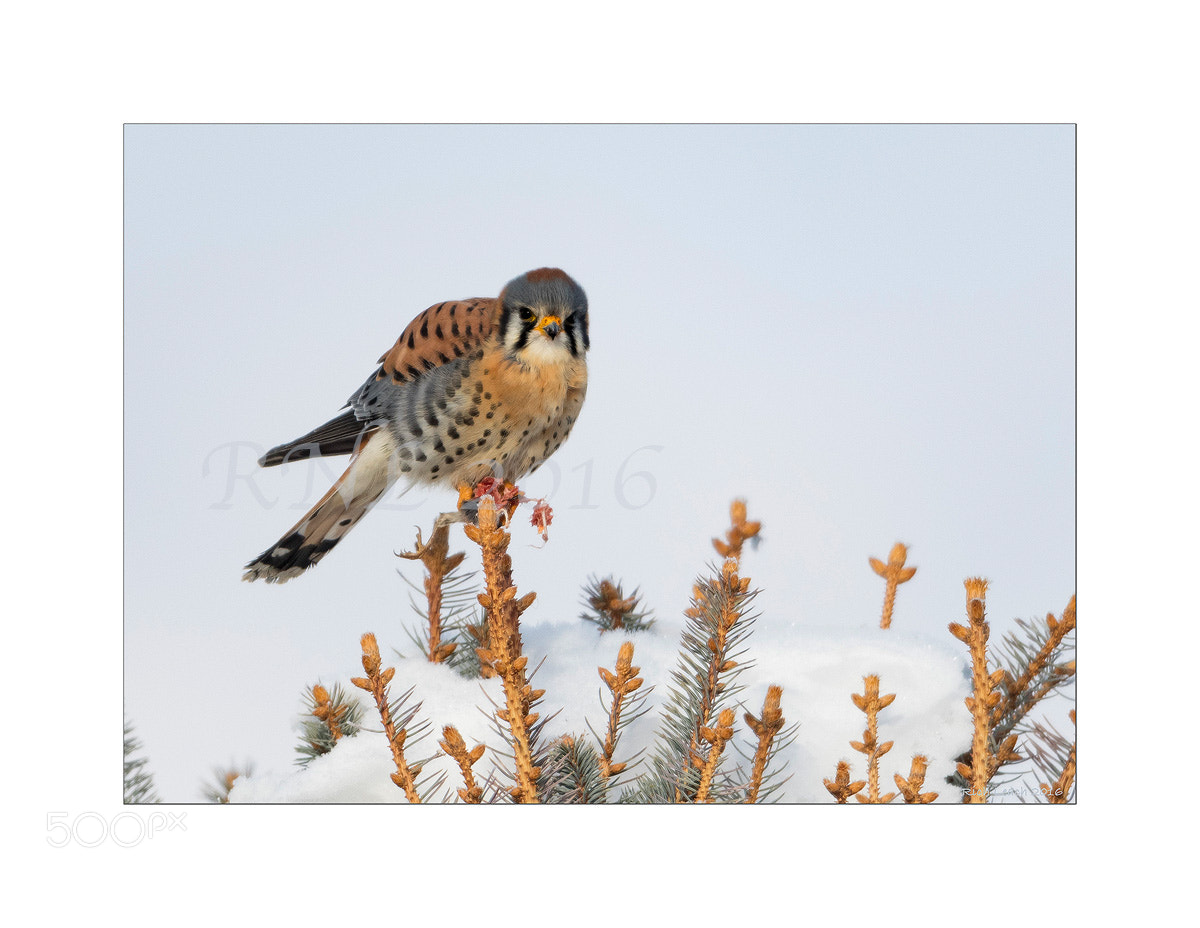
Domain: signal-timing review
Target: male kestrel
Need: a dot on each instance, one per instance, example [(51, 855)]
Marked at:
[(472, 389)]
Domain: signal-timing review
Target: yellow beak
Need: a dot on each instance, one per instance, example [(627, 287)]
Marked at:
[(550, 326)]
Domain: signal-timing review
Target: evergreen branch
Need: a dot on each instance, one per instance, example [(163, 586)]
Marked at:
[(610, 609), (572, 773), (703, 683), (623, 686), (871, 703), (504, 655), (217, 789), (986, 756), (1053, 757), (138, 782), (720, 607), (1060, 792), (1034, 663), (718, 736), (840, 786), (910, 789), (328, 717), (765, 728), (454, 746), (376, 683), (327, 712), (404, 716), (439, 565), (1038, 666), (739, 532), (773, 778), (504, 761), (895, 573)]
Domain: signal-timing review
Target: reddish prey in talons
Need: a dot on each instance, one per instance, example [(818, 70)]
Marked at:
[(508, 496)]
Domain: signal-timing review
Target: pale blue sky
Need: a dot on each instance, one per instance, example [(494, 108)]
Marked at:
[(867, 331)]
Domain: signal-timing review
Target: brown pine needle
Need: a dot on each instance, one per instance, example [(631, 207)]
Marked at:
[(454, 746), (622, 685), (739, 533), (327, 712), (438, 564), (478, 631), (985, 697), (765, 728), (910, 789), (718, 737), (1060, 792), (871, 703), (376, 683), (1059, 629), (731, 586), (612, 604), (503, 654), (840, 787), (895, 573), (217, 790)]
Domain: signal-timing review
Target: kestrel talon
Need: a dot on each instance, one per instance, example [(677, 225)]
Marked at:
[(472, 389)]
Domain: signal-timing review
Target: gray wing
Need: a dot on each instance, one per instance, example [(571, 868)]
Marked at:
[(427, 359)]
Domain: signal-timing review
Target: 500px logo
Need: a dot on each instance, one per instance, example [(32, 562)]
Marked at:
[(125, 829)]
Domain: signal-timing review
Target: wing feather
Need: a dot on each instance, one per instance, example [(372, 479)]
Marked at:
[(438, 336), (341, 435)]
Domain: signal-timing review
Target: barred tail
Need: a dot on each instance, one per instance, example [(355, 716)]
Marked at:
[(365, 481)]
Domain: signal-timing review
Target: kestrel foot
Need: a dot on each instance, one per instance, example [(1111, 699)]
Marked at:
[(467, 514), (421, 547)]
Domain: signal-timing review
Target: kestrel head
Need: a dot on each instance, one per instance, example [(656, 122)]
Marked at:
[(544, 316)]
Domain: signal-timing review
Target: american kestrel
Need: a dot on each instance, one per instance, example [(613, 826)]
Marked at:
[(472, 389)]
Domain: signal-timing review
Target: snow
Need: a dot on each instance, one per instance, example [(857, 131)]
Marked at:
[(818, 670)]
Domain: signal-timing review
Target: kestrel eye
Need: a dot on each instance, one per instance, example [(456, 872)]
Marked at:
[(526, 313)]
